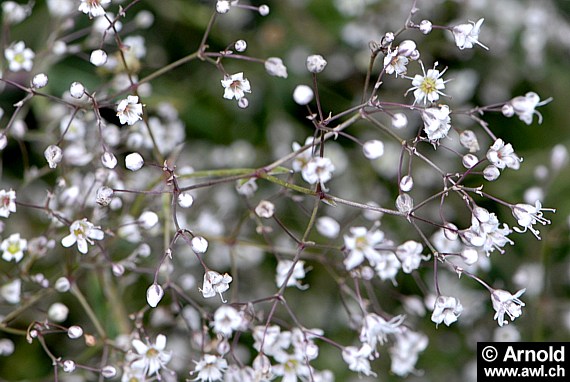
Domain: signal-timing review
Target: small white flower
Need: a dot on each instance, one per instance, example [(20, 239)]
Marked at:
[(39, 81), (469, 160), (491, 173), (150, 358), (235, 86), (13, 248), (214, 283), (283, 269), (98, 57), (74, 332), (468, 34), (427, 87), (528, 215), (154, 294), (503, 155), (199, 244), (318, 170), (375, 329), (485, 232), (11, 292), (7, 347), (263, 10), (399, 121), (504, 302), (129, 110), (524, 107), (58, 312), (134, 161), (240, 45), (226, 321), (148, 219), (404, 203), (246, 188), (328, 227), (447, 309), (425, 26), (373, 149), (316, 63), (358, 360), (82, 232), (410, 255), (436, 122), (265, 209), (361, 244), (109, 160), (185, 200), (93, 8), (68, 366), (223, 6), (406, 183), (407, 48), (468, 139), (53, 155), (77, 90), (394, 62), (15, 13), (275, 67), (210, 368), (62, 284), (104, 196), (303, 94), (19, 57)]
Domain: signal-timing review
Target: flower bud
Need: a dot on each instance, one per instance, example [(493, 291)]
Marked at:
[(109, 160), (74, 332), (240, 45), (425, 26), (406, 48), (223, 6), (404, 203), (406, 183), (199, 244), (373, 149), (491, 173), (62, 284), (265, 209), (399, 121), (154, 294), (185, 200), (263, 10), (134, 161), (316, 63), (148, 219), (328, 227), (58, 312), (39, 81), (468, 139), (98, 57), (68, 366), (77, 90), (303, 94), (508, 110), (469, 160), (108, 371), (470, 256)]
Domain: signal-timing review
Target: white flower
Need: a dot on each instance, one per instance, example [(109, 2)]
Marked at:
[(375, 329), (318, 170), (485, 232), (15, 13), (134, 161), (240, 45), (154, 294), (82, 232), (13, 248), (528, 215), (405, 351), (129, 110), (108, 371), (150, 358), (406, 183), (246, 188), (210, 368), (436, 122), (361, 244), (503, 155), (77, 90), (53, 155), (274, 341), (428, 88), (265, 209), (7, 202), (524, 107), (399, 121), (11, 292), (468, 34), (68, 366), (235, 86), (58, 312), (226, 320), (19, 57), (387, 266), (214, 283), (394, 62), (373, 149), (468, 139), (148, 219), (223, 6), (504, 302), (104, 196), (328, 227), (283, 269), (74, 332), (404, 203), (447, 309), (359, 359), (109, 160), (425, 26), (303, 94), (98, 57), (263, 10), (185, 200), (93, 8), (39, 81), (316, 63), (199, 244), (410, 255), (274, 67), (491, 173)]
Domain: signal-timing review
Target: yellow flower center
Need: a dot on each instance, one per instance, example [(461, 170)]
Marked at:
[(428, 85), (14, 248)]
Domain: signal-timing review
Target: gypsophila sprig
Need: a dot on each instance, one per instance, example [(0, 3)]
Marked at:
[(82, 232), (130, 110)]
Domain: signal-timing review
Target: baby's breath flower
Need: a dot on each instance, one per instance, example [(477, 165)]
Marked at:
[(130, 110), (98, 57), (93, 8), (318, 170), (154, 294), (303, 94), (235, 86), (82, 232), (527, 216), (210, 368), (151, 357), (39, 81), (104, 196), (399, 121), (77, 90), (524, 107), (199, 244), (134, 161), (214, 283), (328, 227), (468, 34), (185, 200), (447, 310), (19, 57), (373, 149), (53, 155), (74, 332), (13, 248), (436, 122), (265, 209), (504, 302), (425, 26), (263, 10), (223, 6), (428, 87), (275, 67), (240, 45), (503, 155), (316, 63), (298, 274)]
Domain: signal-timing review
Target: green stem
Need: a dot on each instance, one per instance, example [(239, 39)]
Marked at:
[(92, 316)]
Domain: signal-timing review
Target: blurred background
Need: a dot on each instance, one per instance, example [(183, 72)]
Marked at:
[(529, 50)]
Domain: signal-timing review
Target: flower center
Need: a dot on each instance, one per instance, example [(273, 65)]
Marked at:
[(19, 58), (14, 248), (151, 353), (428, 85)]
